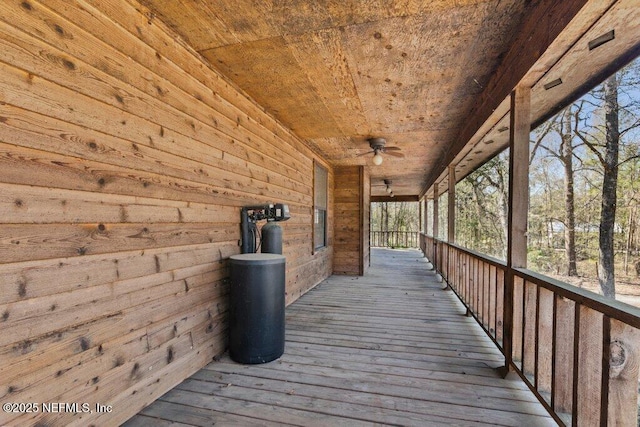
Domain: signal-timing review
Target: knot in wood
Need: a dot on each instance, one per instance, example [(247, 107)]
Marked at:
[(618, 356)]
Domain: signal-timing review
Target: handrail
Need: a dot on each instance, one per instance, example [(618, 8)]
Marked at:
[(576, 350), (394, 238), (615, 309), (487, 258), (612, 308)]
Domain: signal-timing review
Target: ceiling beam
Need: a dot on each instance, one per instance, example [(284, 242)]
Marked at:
[(395, 199)]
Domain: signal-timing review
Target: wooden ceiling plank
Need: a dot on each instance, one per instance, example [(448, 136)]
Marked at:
[(244, 19), (322, 56), (391, 74), (268, 71), (294, 17), (194, 21)]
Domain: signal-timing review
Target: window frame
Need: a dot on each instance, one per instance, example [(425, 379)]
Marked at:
[(319, 208)]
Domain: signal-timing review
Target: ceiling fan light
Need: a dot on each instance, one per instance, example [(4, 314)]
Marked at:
[(388, 190), (377, 159)]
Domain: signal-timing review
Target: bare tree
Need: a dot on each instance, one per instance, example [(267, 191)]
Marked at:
[(482, 203), (564, 153), (606, 265), (607, 150), (569, 199)]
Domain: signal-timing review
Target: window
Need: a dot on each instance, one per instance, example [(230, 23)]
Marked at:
[(319, 207)]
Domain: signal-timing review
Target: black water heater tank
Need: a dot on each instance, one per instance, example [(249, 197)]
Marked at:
[(256, 307)]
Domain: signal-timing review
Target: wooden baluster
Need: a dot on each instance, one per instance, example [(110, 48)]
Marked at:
[(486, 291), (529, 331), (491, 318), (624, 365), (500, 295), (544, 342), (518, 316), (563, 348), (589, 369)]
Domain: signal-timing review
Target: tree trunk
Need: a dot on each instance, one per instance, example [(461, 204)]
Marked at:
[(549, 218), (503, 200), (627, 247), (569, 198), (606, 270), (477, 193), (385, 223)]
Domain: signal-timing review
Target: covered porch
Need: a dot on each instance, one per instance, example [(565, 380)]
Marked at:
[(133, 133), (391, 347)]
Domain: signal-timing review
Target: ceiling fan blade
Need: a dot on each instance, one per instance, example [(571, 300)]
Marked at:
[(365, 154), (395, 154), (392, 148)]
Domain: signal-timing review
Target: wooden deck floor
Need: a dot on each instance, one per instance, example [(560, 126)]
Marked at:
[(388, 348)]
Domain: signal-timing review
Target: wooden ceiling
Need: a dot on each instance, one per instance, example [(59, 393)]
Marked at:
[(339, 71)]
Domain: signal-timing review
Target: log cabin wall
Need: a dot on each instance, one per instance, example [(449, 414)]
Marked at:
[(352, 205), (124, 161)]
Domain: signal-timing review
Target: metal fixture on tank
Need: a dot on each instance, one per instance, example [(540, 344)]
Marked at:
[(270, 236)]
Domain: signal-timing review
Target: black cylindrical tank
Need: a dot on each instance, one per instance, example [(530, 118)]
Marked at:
[(271, 240), (256, 307)]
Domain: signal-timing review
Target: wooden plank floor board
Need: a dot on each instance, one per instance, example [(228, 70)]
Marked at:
[(418, 366), (367, 333), (145, 421), (387, 342), (197, 416), (412, 391), (389, 348), (407, 329)]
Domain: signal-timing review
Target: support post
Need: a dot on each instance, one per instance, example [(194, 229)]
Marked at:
[(451, 221), (426, 215), (434, 261), (435, 210), (519, 130)]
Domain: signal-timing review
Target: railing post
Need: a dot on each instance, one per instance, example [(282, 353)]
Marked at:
[(451, 216), (519, 130), (426, 216), (451, 221), (434, 261)]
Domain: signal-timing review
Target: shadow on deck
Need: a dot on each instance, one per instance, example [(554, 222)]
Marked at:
[(388, 348)]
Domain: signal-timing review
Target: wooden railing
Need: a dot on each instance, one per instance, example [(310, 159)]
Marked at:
[(394, 239), (578, 351), (478, 281)]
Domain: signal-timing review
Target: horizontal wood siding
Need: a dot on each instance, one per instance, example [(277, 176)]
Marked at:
[(124, 160), (351, 218)]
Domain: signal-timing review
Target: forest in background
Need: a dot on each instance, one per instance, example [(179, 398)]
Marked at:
[(395, 216)]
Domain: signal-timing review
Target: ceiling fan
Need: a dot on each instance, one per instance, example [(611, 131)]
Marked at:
[(378, 147), (387, 184)]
